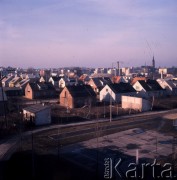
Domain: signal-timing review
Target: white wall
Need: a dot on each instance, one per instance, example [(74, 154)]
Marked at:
[(105, 94), (136, 103)]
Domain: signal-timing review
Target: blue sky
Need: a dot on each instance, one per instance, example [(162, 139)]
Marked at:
[(92, 33)]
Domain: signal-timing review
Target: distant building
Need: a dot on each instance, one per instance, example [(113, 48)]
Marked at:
[(153, 63), (45, 74), (126, 71), (100, 71), (37, 114), (163, 72), (84, 78)]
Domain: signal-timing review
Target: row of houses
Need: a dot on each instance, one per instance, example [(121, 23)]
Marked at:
[(77, 96), (33, 87)]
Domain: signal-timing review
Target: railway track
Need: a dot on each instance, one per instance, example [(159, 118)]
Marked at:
[(104, 125), (73, 135)]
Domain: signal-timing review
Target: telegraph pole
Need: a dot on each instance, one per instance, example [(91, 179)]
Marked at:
[(110, 106)]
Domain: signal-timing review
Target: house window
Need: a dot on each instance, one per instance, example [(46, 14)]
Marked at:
[(106, 90), (65, 94)]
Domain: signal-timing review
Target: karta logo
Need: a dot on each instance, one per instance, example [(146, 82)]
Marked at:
[(133, 170), (108, 168)]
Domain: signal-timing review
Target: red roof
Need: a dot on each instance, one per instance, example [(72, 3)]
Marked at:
[(134, 80), (116, 79)]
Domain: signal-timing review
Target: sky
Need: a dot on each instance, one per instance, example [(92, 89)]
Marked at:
[(87, 33)]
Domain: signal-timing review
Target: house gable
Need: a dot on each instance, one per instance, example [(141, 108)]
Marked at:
[(138, 87), (66, 98), (28, 92), (76, 96)]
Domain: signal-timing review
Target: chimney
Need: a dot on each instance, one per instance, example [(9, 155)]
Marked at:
[(161, 74), (118, 67)]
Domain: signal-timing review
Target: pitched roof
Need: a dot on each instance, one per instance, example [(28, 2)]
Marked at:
[(150, 85), (144, 85), (116, 79), (97, 82), (72, 80), (55, 78), (100, 82), (134, 80), (40, 86), (22, 83), (171, 84), (122, 87), (15, 79), (154, 85), (36, 108), (106, 80), (8, 78), (81, 91), (83, 77)]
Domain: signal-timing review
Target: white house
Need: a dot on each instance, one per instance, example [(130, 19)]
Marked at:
[(168, 85), (6, 80), (38, 114), (148, 89), (115, 91), (42, 79), (55, 80), (136, 103), (59, 82)]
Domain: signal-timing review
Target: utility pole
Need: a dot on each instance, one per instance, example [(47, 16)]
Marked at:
[(33, 156), (58, 141), (153, 99), (111, 106)]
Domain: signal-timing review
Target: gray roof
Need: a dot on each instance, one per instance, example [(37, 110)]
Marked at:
[(56, 78), (150, 85), (170, 83), (100, 82), (81, 91), (36, 108), (122, 87), (39, 86)]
